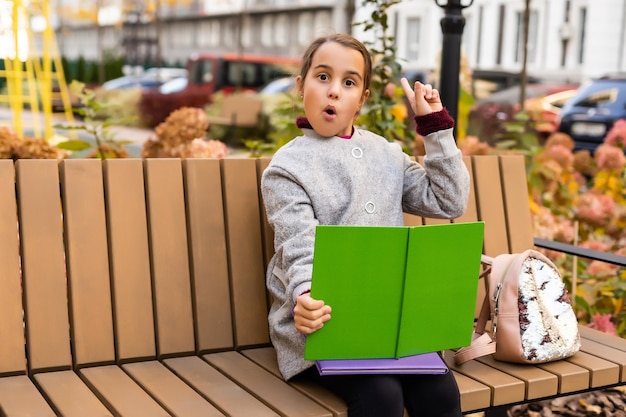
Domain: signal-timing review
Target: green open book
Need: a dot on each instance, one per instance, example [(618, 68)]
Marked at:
[(395, 291)]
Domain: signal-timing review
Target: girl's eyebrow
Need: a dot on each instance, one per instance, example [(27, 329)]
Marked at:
[(328, 67)]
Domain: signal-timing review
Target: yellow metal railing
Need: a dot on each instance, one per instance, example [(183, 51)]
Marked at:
[(34, 72)]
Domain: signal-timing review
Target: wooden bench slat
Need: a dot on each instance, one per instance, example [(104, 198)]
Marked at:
[(268, 233), (43, 264), (87, 261), (221, 391), (474, 395), (266, 358), (245, 251), (572, 378), (120, 393), (603, 351), (490, 205), (471, 212), (505, 389), (209, 266), (517, 206), (130, 259), (601, 337), (20, 397), (70, 396), (169, 390), (169, 256), (539, 383), (273, 391), (12, 358), (603, 372)]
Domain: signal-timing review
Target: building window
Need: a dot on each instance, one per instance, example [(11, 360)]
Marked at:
[(500, 34), (305, 28), (246, 32), (323, 23), (281, 30), (413, 27), (267, 30), (532, 37), (581, 32)]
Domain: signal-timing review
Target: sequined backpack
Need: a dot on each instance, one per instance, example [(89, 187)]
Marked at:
[(532, 320)]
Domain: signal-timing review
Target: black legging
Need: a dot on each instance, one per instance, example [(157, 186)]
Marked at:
[(388, 395)]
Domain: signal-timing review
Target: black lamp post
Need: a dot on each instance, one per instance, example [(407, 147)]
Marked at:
[(452, 28)]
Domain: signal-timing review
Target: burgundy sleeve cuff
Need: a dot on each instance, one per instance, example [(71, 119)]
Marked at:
[(433, 122)]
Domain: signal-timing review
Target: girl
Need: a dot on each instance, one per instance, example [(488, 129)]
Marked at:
[(338, 174)]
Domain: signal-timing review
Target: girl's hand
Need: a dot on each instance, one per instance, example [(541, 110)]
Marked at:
[(310, 315), (424, 99)]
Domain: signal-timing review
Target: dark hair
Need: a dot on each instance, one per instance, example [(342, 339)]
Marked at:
[(345, 40)]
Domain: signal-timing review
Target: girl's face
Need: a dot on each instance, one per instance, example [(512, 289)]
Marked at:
[(333, 89)]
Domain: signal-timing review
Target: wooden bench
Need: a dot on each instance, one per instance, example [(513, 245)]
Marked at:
[(136, 288)]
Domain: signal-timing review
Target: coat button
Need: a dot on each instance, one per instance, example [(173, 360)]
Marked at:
[(370, 207), (357, 152)]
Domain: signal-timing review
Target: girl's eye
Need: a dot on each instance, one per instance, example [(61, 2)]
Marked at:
[(322, 77), (350, 83)]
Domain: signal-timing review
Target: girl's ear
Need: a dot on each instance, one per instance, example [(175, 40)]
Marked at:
[(300, 85), (364, 97)]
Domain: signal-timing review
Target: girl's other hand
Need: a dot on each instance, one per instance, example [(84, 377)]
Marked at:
[(309, 314), (424, 99)]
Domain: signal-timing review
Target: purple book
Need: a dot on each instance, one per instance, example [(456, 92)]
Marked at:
[(427, 363)]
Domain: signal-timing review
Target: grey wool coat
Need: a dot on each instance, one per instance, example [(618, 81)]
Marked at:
[(364, 180)]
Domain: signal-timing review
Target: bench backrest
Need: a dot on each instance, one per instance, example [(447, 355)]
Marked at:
[(129, 259)]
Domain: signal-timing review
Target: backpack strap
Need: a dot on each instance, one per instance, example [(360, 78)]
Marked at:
[(482, 343)]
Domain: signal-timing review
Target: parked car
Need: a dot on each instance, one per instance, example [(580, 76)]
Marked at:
[(210, 73), (590, 114), (152, 78), (543, 103)]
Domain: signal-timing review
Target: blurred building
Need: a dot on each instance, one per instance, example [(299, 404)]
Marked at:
[(569, 39)]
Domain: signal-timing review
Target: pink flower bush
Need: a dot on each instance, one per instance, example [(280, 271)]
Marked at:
[(617, 135), (577, 198), (603, 323), (595, 208), (610, 158), (199, 148)]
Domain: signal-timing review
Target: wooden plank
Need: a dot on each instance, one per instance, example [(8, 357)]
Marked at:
[(169, 256), (490, 206), (539, 383), (505, 389), (245, 251), (471, 212), (20, 397), (517, 206), (227, 396), (266, 358), (602, 372), (209, 266), (43, 264), (70, 396), (120, 393), (601, 337), (87, 261), (572, 378), (11, 320), (266, 229), (273, 391), (129, 259), (170, 391), (474, 395), (616, 356)]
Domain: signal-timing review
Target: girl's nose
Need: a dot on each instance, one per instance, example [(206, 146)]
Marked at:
[(333, 90)]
